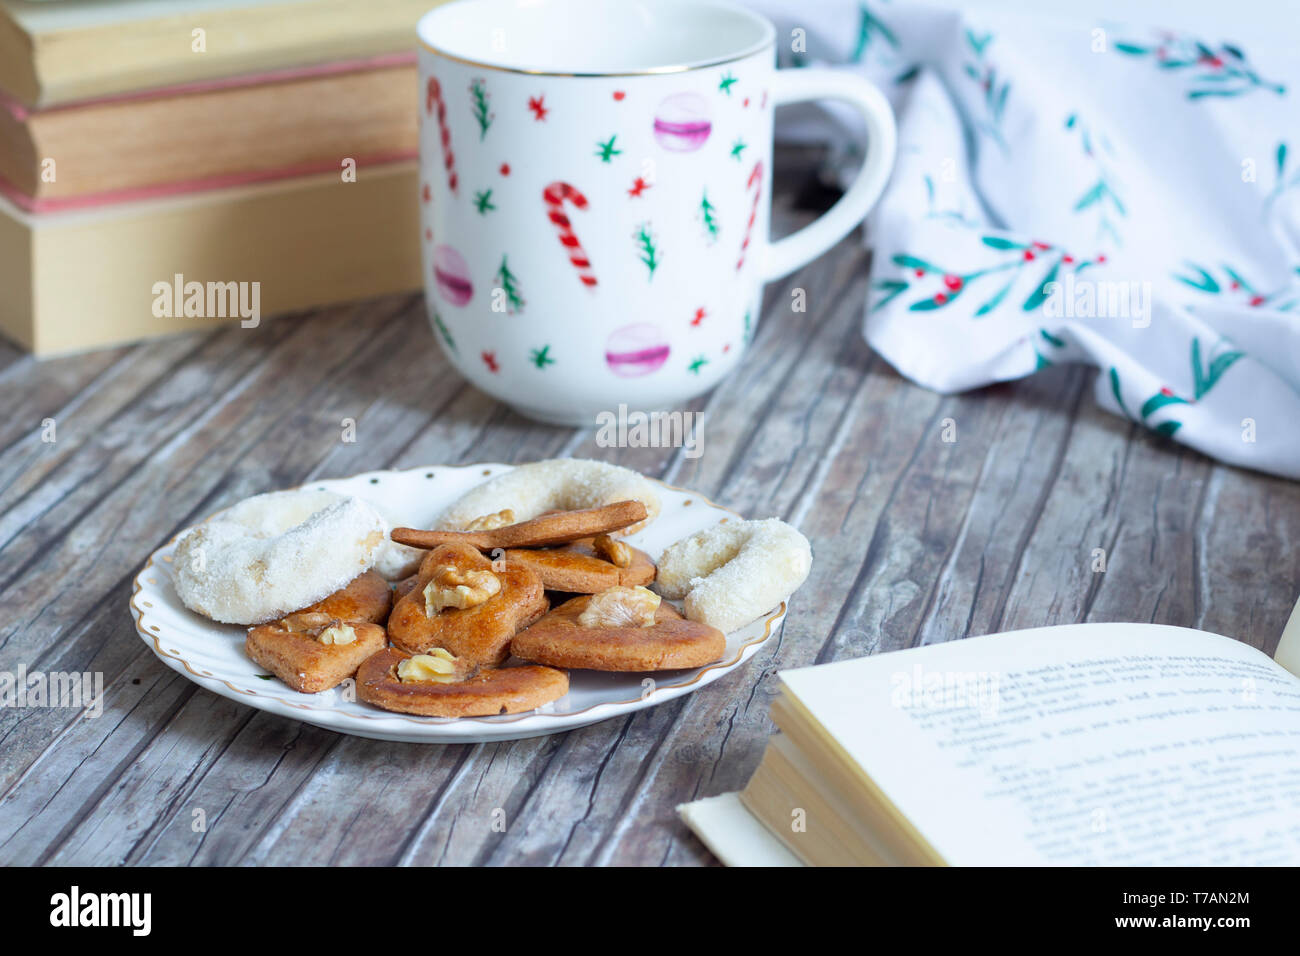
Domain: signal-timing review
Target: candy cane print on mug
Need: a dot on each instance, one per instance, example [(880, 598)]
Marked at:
[(755, 183), (434, 102), (613, 160), (555, 195)]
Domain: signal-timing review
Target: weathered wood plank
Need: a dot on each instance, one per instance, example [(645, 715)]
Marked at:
[(917, 540)]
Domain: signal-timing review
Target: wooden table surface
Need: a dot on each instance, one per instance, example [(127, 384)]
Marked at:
[(917, 540)]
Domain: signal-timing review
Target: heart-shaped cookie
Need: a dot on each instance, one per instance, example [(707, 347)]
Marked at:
[(460, 602)]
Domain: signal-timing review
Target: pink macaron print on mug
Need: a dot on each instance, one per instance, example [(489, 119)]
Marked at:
[(595, 194)]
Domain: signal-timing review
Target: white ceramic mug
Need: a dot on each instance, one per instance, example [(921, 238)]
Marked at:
[(595, 194)]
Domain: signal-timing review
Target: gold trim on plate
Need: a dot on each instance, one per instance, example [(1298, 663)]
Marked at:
[(138, 613)]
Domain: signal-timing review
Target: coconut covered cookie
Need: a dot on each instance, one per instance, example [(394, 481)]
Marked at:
[(732, 573), (276, 553), (558, 484)]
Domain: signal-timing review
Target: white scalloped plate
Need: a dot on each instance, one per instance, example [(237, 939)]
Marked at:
[(212, 655)]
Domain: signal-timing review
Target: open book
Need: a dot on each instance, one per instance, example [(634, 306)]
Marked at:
[(1117, 744)]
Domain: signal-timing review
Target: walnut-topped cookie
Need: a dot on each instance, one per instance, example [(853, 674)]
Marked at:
[(462, 603), (322, 645), (439, 684), (619, 629), (312, 651), (587, 566)]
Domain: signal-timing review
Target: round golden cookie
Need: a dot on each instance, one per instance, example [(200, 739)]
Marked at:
[(579, 569), (366, 599), (490, 691), (671, 643)]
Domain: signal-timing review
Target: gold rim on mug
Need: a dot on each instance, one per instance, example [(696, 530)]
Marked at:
[(648, 71), (139, 614)]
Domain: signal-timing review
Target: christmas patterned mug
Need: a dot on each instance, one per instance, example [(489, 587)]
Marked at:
[(595, 194)]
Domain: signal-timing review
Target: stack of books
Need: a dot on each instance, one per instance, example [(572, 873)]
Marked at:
[(152, 151), (1088, 744)]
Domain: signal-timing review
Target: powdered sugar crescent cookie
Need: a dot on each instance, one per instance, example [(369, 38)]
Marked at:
[(461, 603), (557, 484), (732, 573), (395, 561), (484, 693), (274, 553), (619, 640)]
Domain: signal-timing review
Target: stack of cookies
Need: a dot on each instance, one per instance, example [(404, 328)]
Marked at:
[(487, 614), (484, 594)]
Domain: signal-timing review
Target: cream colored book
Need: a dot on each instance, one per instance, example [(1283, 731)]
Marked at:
[(79, 49), (1090, 744), (126, 149), (81, 280)]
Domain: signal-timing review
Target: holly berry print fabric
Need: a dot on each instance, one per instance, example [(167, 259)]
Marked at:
[(1088, 192)]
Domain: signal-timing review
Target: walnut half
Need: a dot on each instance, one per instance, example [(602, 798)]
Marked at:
[(337, 633), (620, 607), (436, 667), (615, 552), (454, 588), (300, 622), (318, 625)]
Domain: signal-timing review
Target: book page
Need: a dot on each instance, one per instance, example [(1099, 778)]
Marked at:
[(734, 836), (1288, 648), (1119, 744)]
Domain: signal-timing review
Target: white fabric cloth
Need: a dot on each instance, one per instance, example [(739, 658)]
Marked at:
[(1089, 192)]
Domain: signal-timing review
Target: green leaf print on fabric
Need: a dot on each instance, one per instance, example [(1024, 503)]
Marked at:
[(1282, 183), (994, 90), (1019, 257), (1161, 399), (1205, 377), (870, 26), (1102, 198), (1207, 72), (1232, 285)]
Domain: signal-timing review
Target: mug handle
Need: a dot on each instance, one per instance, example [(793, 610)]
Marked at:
[(795, 86)]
